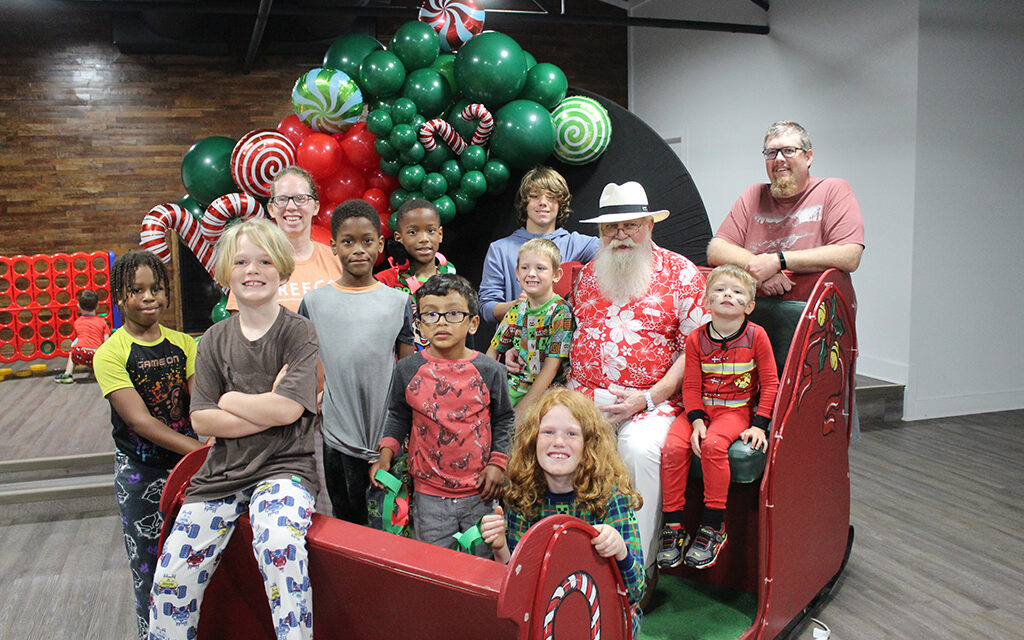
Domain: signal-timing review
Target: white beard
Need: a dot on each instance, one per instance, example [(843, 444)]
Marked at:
[(623, 276)]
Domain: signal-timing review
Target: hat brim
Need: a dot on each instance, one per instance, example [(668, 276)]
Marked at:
[(624, 217)]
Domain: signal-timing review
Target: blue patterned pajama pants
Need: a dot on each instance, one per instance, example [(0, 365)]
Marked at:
[(280, 512)]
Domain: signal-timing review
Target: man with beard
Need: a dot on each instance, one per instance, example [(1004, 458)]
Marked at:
[(796, 222), (634, 304)]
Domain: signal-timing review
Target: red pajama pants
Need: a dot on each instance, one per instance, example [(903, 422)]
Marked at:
[(724, 426)]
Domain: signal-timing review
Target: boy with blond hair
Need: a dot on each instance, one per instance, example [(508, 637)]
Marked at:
[(729, 388), (539, 328)]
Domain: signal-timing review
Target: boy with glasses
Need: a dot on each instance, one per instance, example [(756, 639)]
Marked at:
[(361, 325), (452, 403)]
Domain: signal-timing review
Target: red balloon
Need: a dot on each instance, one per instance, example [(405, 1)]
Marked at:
[(377, 198), (346, 184), (385, 230), (321, 233), (320, 155), (294, 129), (376, 178), (357, 143)]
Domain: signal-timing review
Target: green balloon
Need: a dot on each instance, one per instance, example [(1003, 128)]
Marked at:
[(531, 62), (546, 85), (474, 184), (402, 137), (445, 209), (473, 158), (434, 186), (391, 167), (434, 159), (220, 310), (206, 169), (381, 74), (413, 155), (411, 177), (445, 65), (466, 129), (497, 174), (417, 121), (491, 69), (463, 203), (397, 199), (452, 172), (380, 103), (379, 122), (416, 44), (429, 90), (403, 111), (416, 195), (524, 134), (385, 149), (393, 218), (349, 51), (188, 203)]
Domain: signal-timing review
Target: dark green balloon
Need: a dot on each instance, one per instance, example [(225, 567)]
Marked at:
[(220, 310), (429, 90), (417, 122), (380, 103), (434, 159), (434, 186), (473, 158), (414, 195), (379, 122), (393, 218), (452, 172), (464, 128), (385, 149), (531, 62), (445, 65), (413, 155), (402, 137), (524, 134), (411, 177), (445, 209), (206, 169), (397, 199), (546, 85), (381, 74), (491, 69), (349, 51), (463, 203), (497, 174), (391, 167), (416, 44), (188, 203), (474, 184), (403, 110)]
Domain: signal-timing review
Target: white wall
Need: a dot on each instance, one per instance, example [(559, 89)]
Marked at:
[(857, 75)]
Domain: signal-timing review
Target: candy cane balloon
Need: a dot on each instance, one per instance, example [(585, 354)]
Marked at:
[(447, 132), (169, 216), (484, 127), (225, 208)]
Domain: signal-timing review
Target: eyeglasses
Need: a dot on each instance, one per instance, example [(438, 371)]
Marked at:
[(631, 228), (300, 199), (451, 317), (787, 152)]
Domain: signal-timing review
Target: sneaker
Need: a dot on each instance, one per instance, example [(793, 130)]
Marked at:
[(64, 378), (673, 541), (706, 548)]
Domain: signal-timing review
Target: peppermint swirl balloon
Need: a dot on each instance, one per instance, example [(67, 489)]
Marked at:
[(327, 100), (455, 21), (257, 158), (583, 130)]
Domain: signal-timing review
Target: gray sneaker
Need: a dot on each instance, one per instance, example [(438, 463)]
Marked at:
[(706, 547), (673, 541)]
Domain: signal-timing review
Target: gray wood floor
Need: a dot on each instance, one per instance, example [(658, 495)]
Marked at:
[(937, 505)]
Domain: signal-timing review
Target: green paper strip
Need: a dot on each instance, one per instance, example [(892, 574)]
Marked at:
[(469, 538), (392, 485)]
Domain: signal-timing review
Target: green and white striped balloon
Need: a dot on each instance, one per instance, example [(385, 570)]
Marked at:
[(583, 130), (327, 100)]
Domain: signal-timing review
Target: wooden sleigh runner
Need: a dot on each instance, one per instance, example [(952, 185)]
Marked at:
[(788, 518)]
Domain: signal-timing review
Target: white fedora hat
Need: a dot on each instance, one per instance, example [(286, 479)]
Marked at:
[(621, 202)]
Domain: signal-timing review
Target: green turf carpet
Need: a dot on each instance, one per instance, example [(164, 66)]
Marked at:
[(686, 610)]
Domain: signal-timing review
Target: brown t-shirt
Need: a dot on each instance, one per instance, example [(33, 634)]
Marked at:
[(227, 361)]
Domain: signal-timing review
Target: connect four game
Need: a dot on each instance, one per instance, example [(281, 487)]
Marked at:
[(38, 306)]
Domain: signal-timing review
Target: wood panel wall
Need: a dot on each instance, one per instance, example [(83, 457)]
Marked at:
[(91, 139)]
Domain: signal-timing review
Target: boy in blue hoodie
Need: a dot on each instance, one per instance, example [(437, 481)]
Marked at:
[(542, 207)]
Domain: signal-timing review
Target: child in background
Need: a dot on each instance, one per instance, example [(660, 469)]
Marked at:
[(90, 332), (145, 372), (542, 207), (564, 460), (255, 392), (539, 328), (420, 233), (362, 326), (729, 362), (452, 403)]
